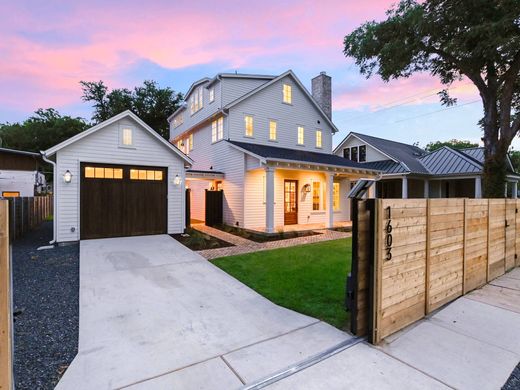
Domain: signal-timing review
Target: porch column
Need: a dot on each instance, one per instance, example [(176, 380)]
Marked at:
[(269, 199), (404, 191), (478, 187), (426, 189), (515, 189), (329, 211)]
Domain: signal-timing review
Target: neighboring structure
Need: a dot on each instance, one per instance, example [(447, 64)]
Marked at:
[(119, 178), (20, 173), (267, 143), (411, 172)]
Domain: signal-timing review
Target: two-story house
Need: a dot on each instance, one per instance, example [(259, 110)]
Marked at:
[(266, 142)]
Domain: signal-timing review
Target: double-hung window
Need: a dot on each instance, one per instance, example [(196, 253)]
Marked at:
[(248, 122), (301, 135), (318, 138), (316, 192), (272, 130), (196, 100), (217, 129), (212, 94), (287, 94), (335, 197)]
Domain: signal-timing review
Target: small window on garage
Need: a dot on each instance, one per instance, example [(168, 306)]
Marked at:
[(10, 194), (127, 136), (145, 174), (103, 173)]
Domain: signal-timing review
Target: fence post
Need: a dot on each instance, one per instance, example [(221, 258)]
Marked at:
[(427, 267), (6, 373), (464, 265)]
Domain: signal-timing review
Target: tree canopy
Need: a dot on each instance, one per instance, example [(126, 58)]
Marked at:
[(149, 102), (40, 131), (454, 39), (454, 143)]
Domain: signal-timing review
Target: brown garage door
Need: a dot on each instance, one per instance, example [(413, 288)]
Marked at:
[(122, 200)]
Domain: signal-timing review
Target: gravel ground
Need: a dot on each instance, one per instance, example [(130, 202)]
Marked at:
[(513, 383), (46, 309)]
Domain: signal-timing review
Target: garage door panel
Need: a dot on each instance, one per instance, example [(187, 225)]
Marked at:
[(115, 205)]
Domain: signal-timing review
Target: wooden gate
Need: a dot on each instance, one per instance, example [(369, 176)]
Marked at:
[(424, 253), (214, 205), (188, 208)]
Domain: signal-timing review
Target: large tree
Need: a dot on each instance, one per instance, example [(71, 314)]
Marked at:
[(454, 39), (40, 131), (454, 143), (148, 101)]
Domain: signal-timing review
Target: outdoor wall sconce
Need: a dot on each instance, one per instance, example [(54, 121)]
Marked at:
[(307, 188), (67, 176), (177, 180)]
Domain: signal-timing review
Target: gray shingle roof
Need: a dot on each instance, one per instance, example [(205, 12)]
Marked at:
[(403, 153), (275, 153)]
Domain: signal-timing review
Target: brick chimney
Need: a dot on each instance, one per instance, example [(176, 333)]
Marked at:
[(322, 92)]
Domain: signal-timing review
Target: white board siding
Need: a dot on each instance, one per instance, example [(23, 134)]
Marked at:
[(20, 181), (254, 202), (372, 154), (233, 88), (222, 157), (207, 110), (103, 147), (266, 105)]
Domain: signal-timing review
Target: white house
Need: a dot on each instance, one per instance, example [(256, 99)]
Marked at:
[(408, 171), (20, 173), (118, 178), (267, 143)]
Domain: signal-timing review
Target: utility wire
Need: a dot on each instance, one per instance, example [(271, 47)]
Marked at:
[(435, 112)]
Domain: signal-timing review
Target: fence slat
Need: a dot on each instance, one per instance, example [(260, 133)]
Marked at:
[(6, 373)]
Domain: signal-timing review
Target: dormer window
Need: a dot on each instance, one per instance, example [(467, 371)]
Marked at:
[(126, 136), (356, 153), (287, 94), (212, 94), (196, 101), (362, 153)]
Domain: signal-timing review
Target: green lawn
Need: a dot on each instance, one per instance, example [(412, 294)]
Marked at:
[(309, 279)]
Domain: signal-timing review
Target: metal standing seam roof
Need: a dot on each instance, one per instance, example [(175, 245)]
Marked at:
[(447, 161), (387, 166), (276, 153)]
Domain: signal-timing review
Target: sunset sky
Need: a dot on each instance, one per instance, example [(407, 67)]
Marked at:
[(47, 47)]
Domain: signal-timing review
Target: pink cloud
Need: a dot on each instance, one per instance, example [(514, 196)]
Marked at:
[(46, 48)]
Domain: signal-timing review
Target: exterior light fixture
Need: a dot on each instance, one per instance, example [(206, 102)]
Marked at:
[(307, 188), (177, 180), (67, 176)]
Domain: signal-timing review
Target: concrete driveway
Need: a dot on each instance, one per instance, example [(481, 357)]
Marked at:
[(154, 314)]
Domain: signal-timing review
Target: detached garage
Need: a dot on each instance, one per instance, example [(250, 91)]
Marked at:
[(119, 178)]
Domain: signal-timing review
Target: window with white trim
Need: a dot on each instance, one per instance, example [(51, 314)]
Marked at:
[(127, 138), (178, 120), (211, 94), (217, 129), (190, 140), (272, 130), (287, 93), (196, 100), (301, 135), (248, 123), (318, 138), (335, 197)]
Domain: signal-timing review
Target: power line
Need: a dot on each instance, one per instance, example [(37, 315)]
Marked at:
[(403, 101), (434, 112)]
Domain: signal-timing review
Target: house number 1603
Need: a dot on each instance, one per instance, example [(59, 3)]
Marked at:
[(388, 234)]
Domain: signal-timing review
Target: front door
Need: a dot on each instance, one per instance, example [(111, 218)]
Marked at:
[(290, 202)]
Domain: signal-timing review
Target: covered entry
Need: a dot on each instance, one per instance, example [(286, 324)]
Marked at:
[(122, 200)]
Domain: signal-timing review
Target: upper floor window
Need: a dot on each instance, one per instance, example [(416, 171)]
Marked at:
[(301, 132), (196, 101), (217, 129), (272, 130), (318, 138), (248, 122), (287, 93), (127, 138), (178, 120), (212, 94), (356, 153)]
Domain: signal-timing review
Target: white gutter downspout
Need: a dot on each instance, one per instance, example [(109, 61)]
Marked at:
[(54, 196)]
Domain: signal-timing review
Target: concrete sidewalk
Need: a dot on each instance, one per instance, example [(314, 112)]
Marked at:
[(473, 343)]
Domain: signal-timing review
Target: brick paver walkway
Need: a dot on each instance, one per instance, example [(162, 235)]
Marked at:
[(243, 245)]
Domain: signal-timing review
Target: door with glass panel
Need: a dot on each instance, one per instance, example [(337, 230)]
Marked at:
[(290, 202)]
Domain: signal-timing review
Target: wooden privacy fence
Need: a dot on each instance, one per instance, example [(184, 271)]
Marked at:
[(411, 256), (6, 373), (27, 213)]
